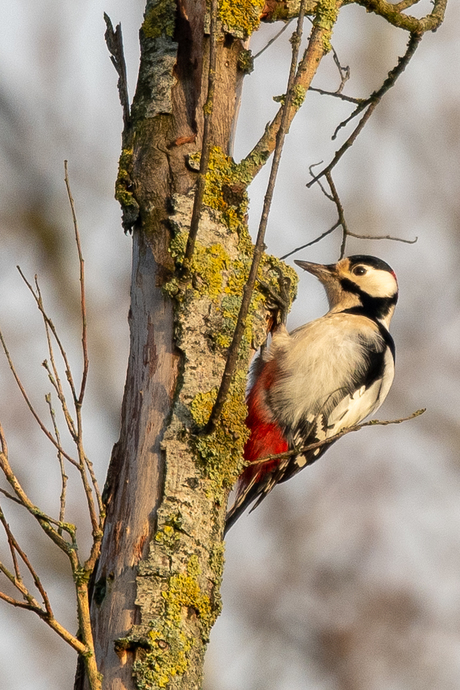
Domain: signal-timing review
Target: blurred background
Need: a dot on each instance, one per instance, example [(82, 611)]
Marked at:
[(348, 577)]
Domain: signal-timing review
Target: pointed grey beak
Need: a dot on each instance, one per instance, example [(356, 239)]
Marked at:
[(323, 272)]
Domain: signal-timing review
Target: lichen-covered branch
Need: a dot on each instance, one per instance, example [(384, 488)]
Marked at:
[(394, 14), (83, 644), (318, 46), (285, 10)]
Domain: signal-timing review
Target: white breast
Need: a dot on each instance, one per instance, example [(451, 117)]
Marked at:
[(319, 365)]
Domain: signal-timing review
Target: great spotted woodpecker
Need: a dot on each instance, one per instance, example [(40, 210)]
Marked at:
[(322, 378)]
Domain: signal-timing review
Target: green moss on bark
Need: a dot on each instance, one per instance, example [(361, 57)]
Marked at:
[(159, 19)]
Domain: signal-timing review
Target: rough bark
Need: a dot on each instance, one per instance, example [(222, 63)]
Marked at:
[(156, 586)]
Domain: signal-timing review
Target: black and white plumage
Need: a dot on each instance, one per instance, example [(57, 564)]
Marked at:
[(321, 378)]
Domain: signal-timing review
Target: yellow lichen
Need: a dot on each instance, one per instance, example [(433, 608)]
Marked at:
[(225, 192), (167, 537), (240, 17), (326, 16), (165, 652), (221, 453)]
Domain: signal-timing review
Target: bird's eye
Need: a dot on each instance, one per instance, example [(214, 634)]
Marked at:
[(359, 270)]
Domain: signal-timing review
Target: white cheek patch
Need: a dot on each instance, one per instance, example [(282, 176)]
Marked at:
[(378, 283)]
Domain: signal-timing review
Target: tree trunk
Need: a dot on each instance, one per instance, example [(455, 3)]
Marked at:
[(156, 586)]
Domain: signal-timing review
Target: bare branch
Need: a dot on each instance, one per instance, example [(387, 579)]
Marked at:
[(56, 383), (341, 214), (382, 237), (331, 439), (84, 464), (344, 73), (272, 40), (16, 602), (309, 244), (336, 94), (64, 478), (52, 327), (10, 496), (206, 145), (15, 548), (44, 520), (47, 433), (81, 261), (11, 547), (372, 103), (233, 350), (52, 622), (334, 196)]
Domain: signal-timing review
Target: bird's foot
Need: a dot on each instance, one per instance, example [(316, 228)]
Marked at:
[(278, 301)]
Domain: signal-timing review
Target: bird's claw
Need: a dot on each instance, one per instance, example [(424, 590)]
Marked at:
[(279, 301)]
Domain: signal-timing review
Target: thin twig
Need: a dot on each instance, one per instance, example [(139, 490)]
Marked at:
[(53, 376), (328, 441), (233, 350), (318, 46), (382, 237), (10, 496), (44, 520), (81, 261), (206, 145), (64, 478), (90, 467), (52, 622), (272, 40), (373, 100), (10, 541), (16, 602), (309, 244), (336, 94), (341, 214), (85, 464), (341, 222), (55, 381), (52, 327), (344, 72), (47, 433), (14, 546)]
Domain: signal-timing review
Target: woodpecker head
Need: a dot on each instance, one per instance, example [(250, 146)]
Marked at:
[(358, 282)]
